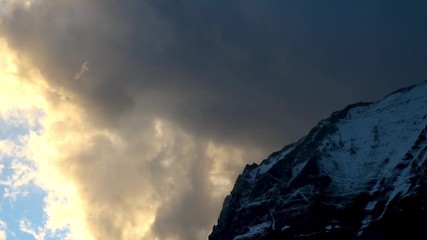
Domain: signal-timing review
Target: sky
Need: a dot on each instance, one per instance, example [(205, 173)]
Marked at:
[(132, 119)]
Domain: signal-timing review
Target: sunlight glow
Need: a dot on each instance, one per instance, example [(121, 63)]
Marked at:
[(23, 101), (74, 162)]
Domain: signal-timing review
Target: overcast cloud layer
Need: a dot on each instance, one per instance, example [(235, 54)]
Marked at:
[(174, 97)]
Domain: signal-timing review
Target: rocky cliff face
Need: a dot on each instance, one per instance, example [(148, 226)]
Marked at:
[(360, 174)]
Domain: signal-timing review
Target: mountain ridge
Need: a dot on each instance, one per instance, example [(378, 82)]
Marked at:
[(348, 178)]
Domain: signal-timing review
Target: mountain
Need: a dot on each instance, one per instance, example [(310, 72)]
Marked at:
[(359, 174)]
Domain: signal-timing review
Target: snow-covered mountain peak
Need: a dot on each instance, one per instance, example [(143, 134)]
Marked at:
[(365, 160)]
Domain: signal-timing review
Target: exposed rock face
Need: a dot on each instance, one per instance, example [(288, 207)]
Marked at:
[(360, 174)]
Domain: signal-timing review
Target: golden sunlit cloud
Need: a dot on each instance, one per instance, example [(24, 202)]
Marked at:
[(132, 182), (23, 101)]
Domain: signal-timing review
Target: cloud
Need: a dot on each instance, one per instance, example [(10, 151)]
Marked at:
[(122, 183), (180, 95), (26, 227), (243, 70), (6, 148), (24, 96), (83, 69), (3, 228)]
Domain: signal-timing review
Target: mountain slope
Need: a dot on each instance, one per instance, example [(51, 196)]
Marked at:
[(360, 174)]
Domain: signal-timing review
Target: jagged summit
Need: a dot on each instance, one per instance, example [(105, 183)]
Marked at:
[(359, 174)]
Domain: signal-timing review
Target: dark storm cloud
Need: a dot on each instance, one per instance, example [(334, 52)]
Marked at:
[(244, 73), (232, 67)]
